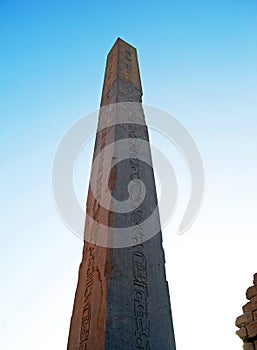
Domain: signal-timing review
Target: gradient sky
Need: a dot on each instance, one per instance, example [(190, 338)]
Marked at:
[(198, 61)]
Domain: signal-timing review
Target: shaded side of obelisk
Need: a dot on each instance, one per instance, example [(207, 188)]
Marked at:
[(122, 298)]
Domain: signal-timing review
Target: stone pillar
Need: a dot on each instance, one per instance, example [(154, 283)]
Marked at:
[(247, 322), (122, 298)]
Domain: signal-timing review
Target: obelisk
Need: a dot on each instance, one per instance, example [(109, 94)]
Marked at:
[(122, 298)]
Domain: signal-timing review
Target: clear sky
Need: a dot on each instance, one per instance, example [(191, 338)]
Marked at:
[(198, 61)]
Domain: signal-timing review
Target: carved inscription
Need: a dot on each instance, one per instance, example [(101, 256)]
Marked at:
[(86, 314), (96, 211), (139, 262), (140, 295), (91, 268), (122, 80), (142, 322)]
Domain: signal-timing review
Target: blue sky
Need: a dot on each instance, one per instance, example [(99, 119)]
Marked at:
[(198, 60)]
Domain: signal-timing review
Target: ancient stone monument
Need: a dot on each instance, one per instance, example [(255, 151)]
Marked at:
[(122, 297), (247, 323)]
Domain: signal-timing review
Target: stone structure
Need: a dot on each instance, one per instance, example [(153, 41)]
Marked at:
[(247, 323), (122, 298)]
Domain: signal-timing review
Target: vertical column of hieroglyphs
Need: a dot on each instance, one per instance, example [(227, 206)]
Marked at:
[(138, 314), (248, 321), (87, 329)]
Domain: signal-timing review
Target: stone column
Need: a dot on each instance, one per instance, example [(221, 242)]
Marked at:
[(122, 298)]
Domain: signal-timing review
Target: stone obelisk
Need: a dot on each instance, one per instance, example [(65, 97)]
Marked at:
[(122, 298)]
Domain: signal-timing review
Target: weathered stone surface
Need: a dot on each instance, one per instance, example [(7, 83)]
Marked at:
[(255, 315), (255, 279), (248, 346), (252, 329), (88, 319), (121, 75), (251, 292), (247, 307), (248, 321), (122, 297), (242, 333), (254, 303), (244, 319)]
